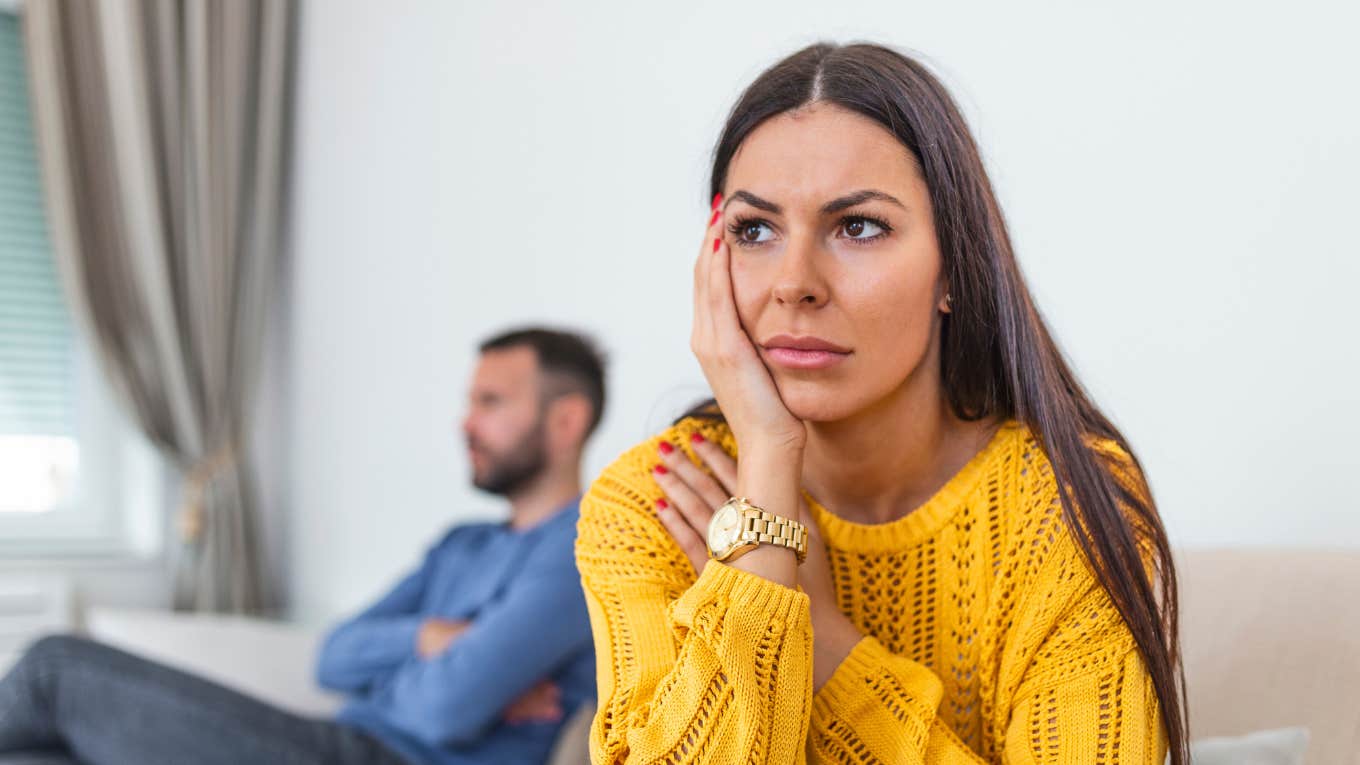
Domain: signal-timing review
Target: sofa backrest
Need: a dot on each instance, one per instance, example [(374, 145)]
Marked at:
[(1271, 638)]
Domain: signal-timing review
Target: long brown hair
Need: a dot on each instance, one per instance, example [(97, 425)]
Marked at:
[(998, 356)]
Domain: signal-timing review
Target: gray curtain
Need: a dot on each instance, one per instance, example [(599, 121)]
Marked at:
[(162, 129)]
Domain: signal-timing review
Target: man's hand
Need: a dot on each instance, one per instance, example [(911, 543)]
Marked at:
[(436, 635), (541, 703)]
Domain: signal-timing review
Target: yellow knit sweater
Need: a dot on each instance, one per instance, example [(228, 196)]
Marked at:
[(987, 636)]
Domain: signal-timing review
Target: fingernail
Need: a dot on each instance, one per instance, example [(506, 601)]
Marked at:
[(665, 447), (660, 470), (662, 504), (716, 242), (717, 200), (714, 219), (697, 438)]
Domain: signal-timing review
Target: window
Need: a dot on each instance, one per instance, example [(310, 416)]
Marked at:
[(71, 469), (38, 450)]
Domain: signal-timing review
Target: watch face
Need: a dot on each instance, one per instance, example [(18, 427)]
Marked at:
[(723, 529)]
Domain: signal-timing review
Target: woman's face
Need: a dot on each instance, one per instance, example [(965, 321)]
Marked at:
[(830, 228)]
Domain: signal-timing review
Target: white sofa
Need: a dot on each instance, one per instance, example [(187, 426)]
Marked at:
[(270, 660), (1271, 639)]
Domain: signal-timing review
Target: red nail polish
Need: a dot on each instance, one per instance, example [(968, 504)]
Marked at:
[(662, 504), (716, 243), (717, 200), (716, 214), (697, 438), (665, 447), (660, 470)]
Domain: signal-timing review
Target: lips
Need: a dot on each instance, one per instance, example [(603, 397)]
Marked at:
[(808, 343), (803, 352)]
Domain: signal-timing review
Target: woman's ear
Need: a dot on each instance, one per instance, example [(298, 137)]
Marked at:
[(946, 304)]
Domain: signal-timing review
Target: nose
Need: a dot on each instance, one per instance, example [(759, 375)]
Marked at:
[(798, 280)]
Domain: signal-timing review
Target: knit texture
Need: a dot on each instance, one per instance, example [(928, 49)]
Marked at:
[(988, 638)]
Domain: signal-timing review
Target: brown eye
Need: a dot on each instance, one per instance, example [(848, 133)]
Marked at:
[(863, 229), (751, 232)]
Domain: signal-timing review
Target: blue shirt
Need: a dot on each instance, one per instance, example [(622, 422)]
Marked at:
[(522, 594)]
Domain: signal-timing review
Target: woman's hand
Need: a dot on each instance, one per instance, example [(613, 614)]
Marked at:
[(770, 444), (742, 385), (770, 439), (693, 494)]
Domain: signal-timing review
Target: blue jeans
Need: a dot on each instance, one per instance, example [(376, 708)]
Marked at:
[(74, 700)]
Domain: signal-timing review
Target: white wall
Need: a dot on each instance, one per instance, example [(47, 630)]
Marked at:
[(1180, 181)]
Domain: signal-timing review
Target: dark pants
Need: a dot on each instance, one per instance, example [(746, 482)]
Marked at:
[(82, 701)]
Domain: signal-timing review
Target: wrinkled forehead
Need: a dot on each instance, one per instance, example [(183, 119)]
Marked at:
[(801, 159)]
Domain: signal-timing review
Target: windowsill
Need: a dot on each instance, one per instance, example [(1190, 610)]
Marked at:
[(67, 558), (60, 588)]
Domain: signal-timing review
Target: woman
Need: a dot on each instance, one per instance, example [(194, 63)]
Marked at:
[(897, 420)]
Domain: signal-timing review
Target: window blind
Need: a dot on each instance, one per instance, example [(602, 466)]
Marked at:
[(37, 381)]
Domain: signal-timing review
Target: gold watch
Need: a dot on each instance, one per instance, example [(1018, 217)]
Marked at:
[(739, 526)]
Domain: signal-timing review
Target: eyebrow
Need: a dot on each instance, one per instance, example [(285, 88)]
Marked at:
[(834, 206)]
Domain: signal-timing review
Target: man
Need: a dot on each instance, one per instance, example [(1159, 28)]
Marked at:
[(478, 656)]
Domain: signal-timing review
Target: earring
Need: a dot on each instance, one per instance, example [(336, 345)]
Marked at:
[(948, 298)]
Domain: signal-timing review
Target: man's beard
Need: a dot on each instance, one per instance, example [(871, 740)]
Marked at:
[(519, 466)]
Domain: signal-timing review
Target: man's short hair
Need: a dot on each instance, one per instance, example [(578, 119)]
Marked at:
[(570, 363)]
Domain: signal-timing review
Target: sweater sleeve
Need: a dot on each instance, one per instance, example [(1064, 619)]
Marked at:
[(707, 670), (879, 707)]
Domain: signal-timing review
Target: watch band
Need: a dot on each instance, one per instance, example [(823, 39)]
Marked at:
[(758, 525)]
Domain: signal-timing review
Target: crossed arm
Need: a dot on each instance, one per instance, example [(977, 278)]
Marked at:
[(448, 681)]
